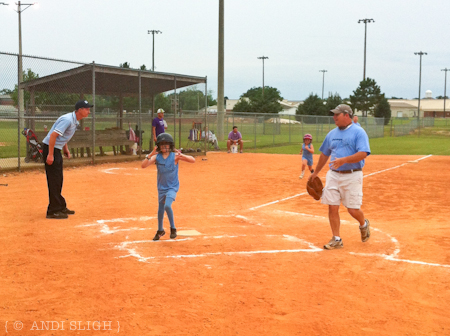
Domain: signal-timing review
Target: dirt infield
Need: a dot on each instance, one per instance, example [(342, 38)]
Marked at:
[(256, 268)]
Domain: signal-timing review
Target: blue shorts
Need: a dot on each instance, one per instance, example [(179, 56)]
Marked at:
[(310, 160)]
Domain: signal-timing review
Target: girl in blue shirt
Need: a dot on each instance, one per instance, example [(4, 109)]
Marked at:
[(166, 158), (307, 154)]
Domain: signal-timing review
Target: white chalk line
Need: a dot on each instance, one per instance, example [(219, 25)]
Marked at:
[(124, 246), (393, 256), (375, 173), (115, 171)]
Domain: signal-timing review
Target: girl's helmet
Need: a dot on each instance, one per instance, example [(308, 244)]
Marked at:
[(307, 136), (165, 137)]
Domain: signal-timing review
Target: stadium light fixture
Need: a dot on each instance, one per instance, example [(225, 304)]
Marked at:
[(263, 58), (153, 32), (366, 21)]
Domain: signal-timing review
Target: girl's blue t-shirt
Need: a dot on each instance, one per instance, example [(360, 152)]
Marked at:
[(167, 177), (307, 154)]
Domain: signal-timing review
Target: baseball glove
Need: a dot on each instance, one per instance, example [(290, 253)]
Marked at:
[(315, 188)]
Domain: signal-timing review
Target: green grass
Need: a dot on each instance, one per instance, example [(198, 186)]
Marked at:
[(432, 140), (407, 145)]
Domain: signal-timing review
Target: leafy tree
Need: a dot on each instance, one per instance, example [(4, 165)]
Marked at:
[(366, 96), (243, 105), (125, 65), (383, 110), (143, 67), (313, 105), (163, 101), (331, 102), (46, 99), (269, 103), (442, 97)]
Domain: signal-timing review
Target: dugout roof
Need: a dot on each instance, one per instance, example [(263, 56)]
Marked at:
[(110, 80)]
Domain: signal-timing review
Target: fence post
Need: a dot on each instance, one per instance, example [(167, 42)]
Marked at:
[(93, 112), (289, 129), (273, 130), (392, 122), (256, 124)]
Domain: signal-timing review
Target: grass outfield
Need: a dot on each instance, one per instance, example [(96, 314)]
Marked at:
[(406, 145)]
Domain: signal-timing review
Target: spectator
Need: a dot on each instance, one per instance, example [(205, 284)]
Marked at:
[(158, 124), (235, 138), (355, 121), (210, 137)]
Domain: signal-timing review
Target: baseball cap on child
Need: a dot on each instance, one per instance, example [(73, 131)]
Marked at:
[(343, 108), (82, 104), (160, 111)]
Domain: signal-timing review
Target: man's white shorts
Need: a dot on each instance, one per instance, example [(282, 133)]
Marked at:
[(345, 188)]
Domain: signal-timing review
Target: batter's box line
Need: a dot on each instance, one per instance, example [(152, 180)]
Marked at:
[(133, 253), (391, 257)]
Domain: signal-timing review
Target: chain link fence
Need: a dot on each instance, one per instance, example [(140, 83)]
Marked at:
[(124, 102)]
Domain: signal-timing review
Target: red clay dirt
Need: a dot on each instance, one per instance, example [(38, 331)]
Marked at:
[(257, 267)]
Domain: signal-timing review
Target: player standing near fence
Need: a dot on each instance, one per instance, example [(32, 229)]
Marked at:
[(56, 140), (167, 159), (348, 146), (307, 151)]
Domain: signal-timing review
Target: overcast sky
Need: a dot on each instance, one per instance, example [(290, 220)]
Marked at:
[(299, 37)]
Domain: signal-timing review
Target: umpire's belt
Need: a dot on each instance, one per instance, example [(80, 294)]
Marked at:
[(347, 171)]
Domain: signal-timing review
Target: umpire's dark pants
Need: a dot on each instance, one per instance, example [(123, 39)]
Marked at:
[(54, 181)]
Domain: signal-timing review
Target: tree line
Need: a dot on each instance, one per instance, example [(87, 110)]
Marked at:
[(367, 98)]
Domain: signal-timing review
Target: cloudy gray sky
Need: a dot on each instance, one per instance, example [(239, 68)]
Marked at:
[(299, 37)]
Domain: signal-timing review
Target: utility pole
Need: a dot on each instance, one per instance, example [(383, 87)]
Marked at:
[(153, 32), (420, 53), (20, 79), (263, 58), (445, 87), (366, 21), (323, 80), (220, 75)]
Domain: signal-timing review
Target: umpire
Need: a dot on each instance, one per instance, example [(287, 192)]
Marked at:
[(56, 140), (348, 145)]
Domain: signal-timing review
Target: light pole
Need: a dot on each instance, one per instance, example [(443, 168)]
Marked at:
[(323, 80), (445, 87), (20, 91), (263, 58), (153, 32), (366, 21), (420, 53)]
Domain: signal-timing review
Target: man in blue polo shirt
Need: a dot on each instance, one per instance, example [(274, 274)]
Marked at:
[(348, 146), (56, 140)]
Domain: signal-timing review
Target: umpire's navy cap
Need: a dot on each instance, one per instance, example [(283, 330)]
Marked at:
[(82, 104)]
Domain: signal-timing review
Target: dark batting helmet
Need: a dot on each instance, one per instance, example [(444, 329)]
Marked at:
[(165, 137)]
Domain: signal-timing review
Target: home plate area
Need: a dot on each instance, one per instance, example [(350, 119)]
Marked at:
[(133, 237)]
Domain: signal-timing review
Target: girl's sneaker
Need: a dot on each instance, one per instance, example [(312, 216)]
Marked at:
[(159, 234), (301, 176), (173, 233)]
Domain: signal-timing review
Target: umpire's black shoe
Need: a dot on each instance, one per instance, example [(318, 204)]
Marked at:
[(57, 215), (173, 233), (68, 212)]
